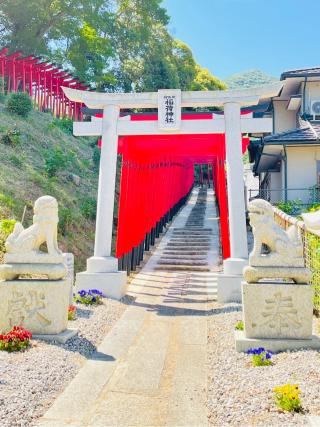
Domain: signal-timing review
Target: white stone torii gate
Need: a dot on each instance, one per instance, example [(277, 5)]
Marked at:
[(102, 269)]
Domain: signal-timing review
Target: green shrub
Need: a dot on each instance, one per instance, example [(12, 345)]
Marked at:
[(15, 160), (6, 228), (65, 220), (55, 160), (11, 136), (65, 124), (6, 201), (292, 207), (313, 208), (7, 225), (89, 208), (19, 103), (96, 157)]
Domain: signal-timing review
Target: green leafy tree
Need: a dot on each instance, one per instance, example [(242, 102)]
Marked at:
[(250, 78), (204, 80), (116, 45)]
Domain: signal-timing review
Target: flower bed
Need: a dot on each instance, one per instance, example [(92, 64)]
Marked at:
[(31, 380), (90, 297), (15, 340)]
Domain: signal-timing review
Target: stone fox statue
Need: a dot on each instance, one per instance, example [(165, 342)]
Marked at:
[(44, 230), (285, 246)]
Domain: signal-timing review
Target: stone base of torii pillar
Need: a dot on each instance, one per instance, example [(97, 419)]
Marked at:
[(229, 283), (102, 274)]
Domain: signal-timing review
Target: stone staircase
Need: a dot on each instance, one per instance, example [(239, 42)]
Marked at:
[(188, 246)]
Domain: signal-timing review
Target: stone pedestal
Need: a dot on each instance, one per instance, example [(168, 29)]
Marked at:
[(277, 310), (40, 306), (102, 274), (277, 316)]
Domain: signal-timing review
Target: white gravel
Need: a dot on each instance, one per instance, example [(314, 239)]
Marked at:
[(31, 380), (240, 394)]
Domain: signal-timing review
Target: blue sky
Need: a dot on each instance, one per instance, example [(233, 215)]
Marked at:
[(229, 36)]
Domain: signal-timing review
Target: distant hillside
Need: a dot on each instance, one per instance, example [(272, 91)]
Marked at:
[(250, 78), (39, 157)]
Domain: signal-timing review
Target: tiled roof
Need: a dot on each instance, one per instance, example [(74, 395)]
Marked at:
[(303, 72), (309, 132)]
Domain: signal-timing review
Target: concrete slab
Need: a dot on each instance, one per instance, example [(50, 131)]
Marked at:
[(61, 338), (150, 370), (275, 345)]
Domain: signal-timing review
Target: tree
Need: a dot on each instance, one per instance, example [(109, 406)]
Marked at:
[(116, 45), (204, 80), (96, 50), (32, 25), (185, 64), (248, 79)]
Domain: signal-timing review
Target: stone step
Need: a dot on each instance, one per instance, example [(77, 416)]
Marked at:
[(190, 239), (188, 248), (199, 244), (182, 267), (191, 242), (180, 262), (193, 229), (177, 253), (191, 236), (194, 233), (184, 257)]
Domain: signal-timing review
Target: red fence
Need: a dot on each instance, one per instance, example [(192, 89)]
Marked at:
[(42, 80)]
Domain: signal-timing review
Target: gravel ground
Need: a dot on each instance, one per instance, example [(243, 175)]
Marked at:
[(240, 394), (31, 380)]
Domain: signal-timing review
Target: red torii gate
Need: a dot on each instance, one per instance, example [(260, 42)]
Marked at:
[(42, 80), (157, 174)]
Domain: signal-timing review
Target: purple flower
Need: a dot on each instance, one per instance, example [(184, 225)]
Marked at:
[(82, 293), (97, 292), (260, 351)]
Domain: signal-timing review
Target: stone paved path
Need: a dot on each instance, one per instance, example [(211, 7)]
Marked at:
[(150, 370)]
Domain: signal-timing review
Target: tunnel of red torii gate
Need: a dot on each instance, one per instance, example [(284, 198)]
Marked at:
[(42, 80), (157, 172)]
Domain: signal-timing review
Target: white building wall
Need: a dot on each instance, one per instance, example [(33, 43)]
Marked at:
[(283, 119), (276, 184), (302, 170)]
